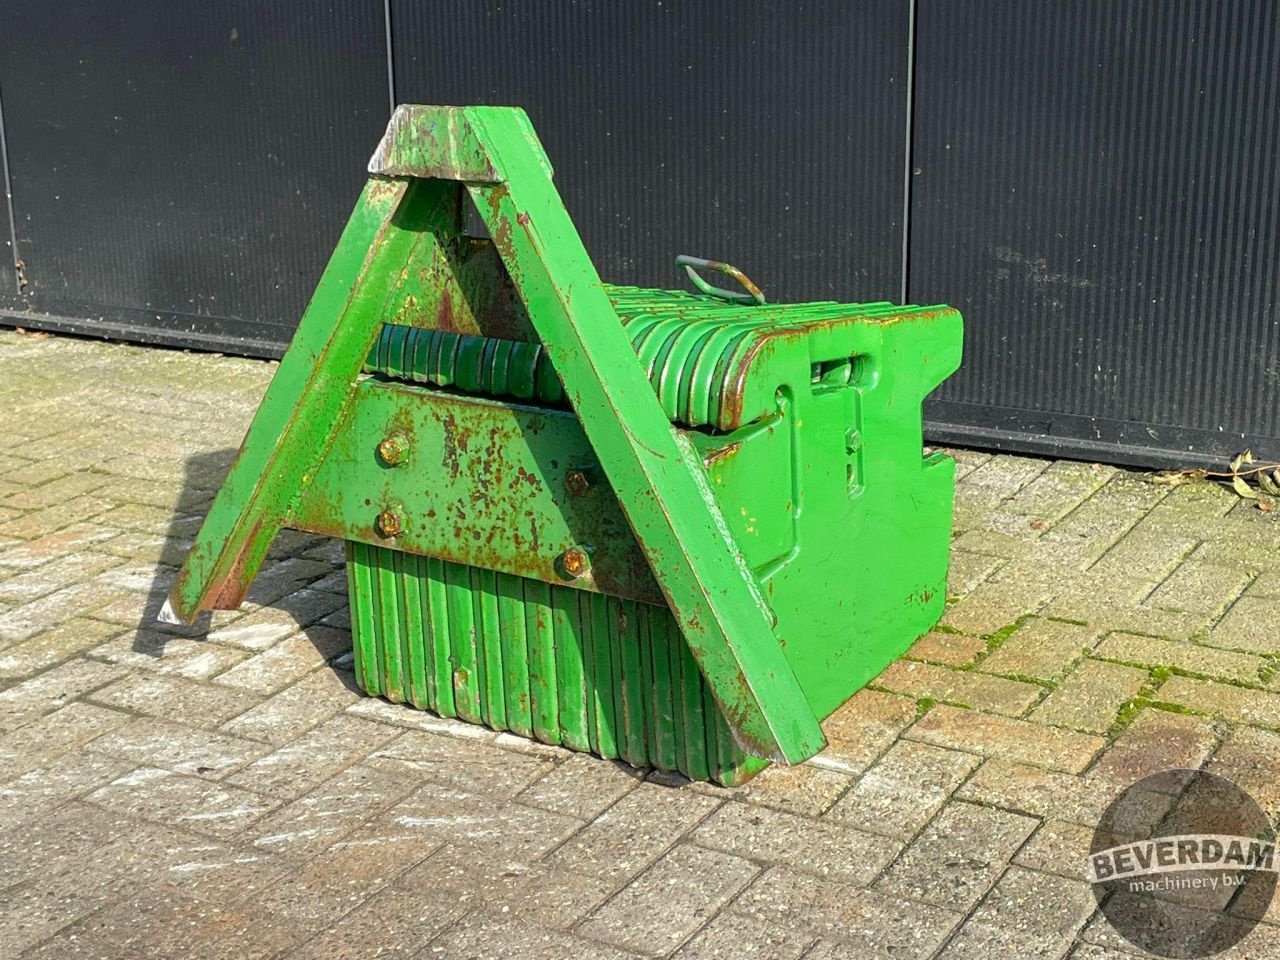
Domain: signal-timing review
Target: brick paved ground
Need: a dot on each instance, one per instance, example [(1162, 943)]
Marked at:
[(232, 795)]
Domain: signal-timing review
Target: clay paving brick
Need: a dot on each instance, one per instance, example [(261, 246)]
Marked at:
[(972, 689), (1260, 941), (502, 937), (1027, 914), (958, 856), (53, 646), (951, 649), (966, 570), (1200, 588), (1190, 657), (36, 743), (393, 924), (1058, 847), (633, 832), (278, 580), (863, 922), (1251, 758), (183, 801), (341, 878), (310, 605), (1156, 741), (51, 689), (1091, 696), (804, 789), (1107, 613), (77, 600), (294, 710), (461, 764), (295, 768), (36, 524), (178, 748), (404, 715), (44, 788), (1145, 555), (1033, 790), (1236, 547), (994, 606), (1057, 491), (163, 652), (62, 838), (829, 848), (54, 575), (582, 786), (987, 543), (999, 479), (145, 855), (732, 937), (1252, 624), (1266, 585), (256, 631), (327, 813), (1040, 648), (1236, 703), (989, 735), (862, 728), (162, 925), (667, 903), (179, 700), (287, 661), (903, 789), (435, 815), (490, 878), (39, 909)]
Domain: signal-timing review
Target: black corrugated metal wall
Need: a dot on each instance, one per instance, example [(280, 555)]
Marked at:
[(1096, 188), (1092, 183)]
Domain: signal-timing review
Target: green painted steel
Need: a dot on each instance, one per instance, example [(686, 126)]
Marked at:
[(649, 524), (586, 671), (498, 493)]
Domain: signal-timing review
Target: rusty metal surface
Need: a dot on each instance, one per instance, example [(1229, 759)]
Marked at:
[(482, 483)]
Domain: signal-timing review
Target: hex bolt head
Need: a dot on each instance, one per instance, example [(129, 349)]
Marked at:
[(393, 449), (577, 483), (388, 524), (575, 562)]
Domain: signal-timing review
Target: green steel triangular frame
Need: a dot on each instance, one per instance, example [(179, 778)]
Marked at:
[(493, 152)]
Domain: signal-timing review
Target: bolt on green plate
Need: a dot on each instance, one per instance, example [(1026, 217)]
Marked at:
[(675, 528)]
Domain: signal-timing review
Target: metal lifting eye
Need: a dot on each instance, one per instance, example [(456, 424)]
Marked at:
[(693, 264)]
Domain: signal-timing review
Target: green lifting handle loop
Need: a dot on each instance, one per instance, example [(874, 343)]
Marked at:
[(692, 265)]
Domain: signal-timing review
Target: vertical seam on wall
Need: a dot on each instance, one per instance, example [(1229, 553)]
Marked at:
[(8, 200), (391, 63), (908, 148)]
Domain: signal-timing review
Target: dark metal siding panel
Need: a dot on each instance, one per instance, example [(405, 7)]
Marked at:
[(1096, 187), (185, 167), (770, 135), (8, 277)]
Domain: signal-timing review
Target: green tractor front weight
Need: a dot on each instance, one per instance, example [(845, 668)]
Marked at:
[(674, 528)]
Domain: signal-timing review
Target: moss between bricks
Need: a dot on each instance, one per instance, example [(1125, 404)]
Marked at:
[(1166, 672), (1146, 699), (997, 637), (923, 704), (993, 640)]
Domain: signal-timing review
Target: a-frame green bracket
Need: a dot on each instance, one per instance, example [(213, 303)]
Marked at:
[(657, 478)]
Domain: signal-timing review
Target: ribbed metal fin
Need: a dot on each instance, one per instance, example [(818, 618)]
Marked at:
[(582, 670)]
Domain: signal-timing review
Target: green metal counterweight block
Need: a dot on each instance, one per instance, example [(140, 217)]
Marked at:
[(672, 528)]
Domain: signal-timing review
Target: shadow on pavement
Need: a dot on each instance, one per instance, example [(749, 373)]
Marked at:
[(300, 589)]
